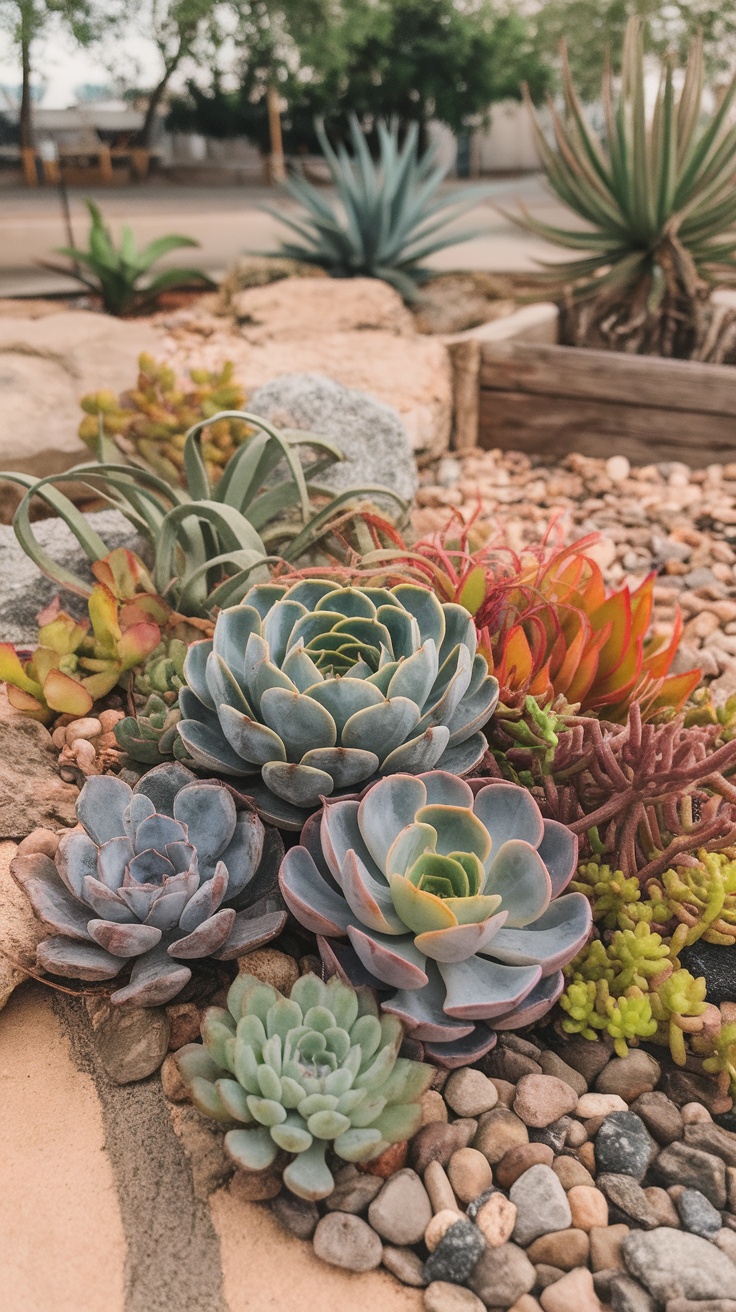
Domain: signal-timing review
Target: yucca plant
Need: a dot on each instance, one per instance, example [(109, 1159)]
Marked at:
[(657, 196), (389, 217), (209, 545), (115, 273)]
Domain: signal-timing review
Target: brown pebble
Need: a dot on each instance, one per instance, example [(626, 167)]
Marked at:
[(574, 1290), (255, 1186), (605, 1247), (693, 1113), (496, 1219), (437, 1184), (571, 1172), (542, 1099), (518, 1160), (499, 1130), (405, 1265), (391, 1160), (576, 1134), (547, 1275), (586, 1153), (564, 1248), (662, 1204), (184, 1018), (45, 841), (527, 1303), (588, 1207), (434, 1109), (172, 1084), (434, 1143), (441, 1296), (505, 1090), (469, 1173)]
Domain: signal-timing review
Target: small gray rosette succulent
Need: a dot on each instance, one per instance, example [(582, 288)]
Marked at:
[(318, 688), (317, 1070), (156, 877), (449, 895)]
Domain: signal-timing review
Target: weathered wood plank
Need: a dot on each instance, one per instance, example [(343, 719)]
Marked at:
[(556, 426), (685, 385)]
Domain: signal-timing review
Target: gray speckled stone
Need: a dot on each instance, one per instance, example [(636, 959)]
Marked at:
[(623, 1145), (346, 1241), (698, 1215), (673, 1263), (541, 1205), (456, 1254)]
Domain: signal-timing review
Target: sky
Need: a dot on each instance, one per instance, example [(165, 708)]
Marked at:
[(64, 66)]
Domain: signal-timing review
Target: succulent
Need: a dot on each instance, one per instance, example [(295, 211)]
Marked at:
[(153, 419), (163, 672), (387, 220), (77, 662), (317, 688), (153, 879), (150, 736), (314, 1071), (656, 199), (119, 275), (448, 896)]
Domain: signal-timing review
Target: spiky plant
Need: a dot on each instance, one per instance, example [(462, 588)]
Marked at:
[(657, 201), (389, 216)]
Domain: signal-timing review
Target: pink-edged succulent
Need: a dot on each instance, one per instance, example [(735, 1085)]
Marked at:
[(447, 892)]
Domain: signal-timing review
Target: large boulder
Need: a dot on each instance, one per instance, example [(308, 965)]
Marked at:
[(46, 365), (32, 796), (20, 932), (371, 435), (300, 307)]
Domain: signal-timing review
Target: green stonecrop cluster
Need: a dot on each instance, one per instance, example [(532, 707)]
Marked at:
[(686, 903)]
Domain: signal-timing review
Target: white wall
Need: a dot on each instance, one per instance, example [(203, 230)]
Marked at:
[(508, 144)]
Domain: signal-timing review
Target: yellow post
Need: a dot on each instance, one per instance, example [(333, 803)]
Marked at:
[(277, 170)]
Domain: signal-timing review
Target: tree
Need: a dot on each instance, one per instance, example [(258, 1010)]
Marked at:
[(26, 21), (176, 28)]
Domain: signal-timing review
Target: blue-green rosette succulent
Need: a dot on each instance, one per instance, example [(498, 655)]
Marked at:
[(449, 895), (315, 689)]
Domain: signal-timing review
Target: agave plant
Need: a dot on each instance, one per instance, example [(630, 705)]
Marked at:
[(657, 203), (115, 273), (208, 544), (450, 897), (168, 873), (387, 222), (314, 1071), (318, 688)]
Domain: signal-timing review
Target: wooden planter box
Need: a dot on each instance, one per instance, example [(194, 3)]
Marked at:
[(546, 399)]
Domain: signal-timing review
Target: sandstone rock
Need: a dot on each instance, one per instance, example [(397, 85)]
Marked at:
[(402, 1210), (346, 1241), (295, 308), (499, 1130), (443, 1297), (433, 1107), (131, 1041), (502, 1275), (272, 967), (574, 1290), (20, 932), (184, 1022), (605, 1247), (542, 1099), (541, 1204), (171, 1082), (469, 1173), (588, 1207), (469, 1092), (671, 1263), (405, 1265), (496, 1219), (31, 793), (46, 365), (564, 1249), (370, 434)]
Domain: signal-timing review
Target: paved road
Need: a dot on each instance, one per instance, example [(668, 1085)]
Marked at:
[(228, 221)]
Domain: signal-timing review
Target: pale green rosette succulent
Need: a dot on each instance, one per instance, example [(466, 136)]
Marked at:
[(314, 1071), (319, 689)]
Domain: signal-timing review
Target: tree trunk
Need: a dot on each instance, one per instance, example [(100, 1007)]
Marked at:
[(147, 131), (276, 168), (25, 122)]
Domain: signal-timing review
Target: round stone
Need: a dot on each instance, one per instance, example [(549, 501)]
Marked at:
[(698, 1215), (402, 1211), (701, 1270), (456, 1254), (599, 1104), (564, 1249), (296, 1215), (438, 1227), (437, 1184), (618, 468), (570, 1172), (605, 1247), (433, 1107), (574, 1290), (496, 1219), (502, 1276), (542, 1099), (347, 1241), (469, 1092), (469, 1174), (662, 1117), (553, 1065), (353, 1192), (441, 1296), (541, 1204), (518, 1160), (272, 967), (435, 1142), (588, 1206), (405, 1265), (498, 1131), (623, 1145), (630, 1076)]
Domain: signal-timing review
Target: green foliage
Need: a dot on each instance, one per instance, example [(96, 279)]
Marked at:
[(615, 900), (655, 197), (153, 418), (151, 736), (163, 672), (389, 218), (208, 544), (120, 274), (687, 902)]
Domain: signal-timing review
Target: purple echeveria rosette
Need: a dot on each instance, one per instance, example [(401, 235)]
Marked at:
[(450, 894)]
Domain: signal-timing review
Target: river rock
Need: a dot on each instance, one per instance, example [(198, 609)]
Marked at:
[(443, 1297), (587, 1056), (498, 1131), (347, 1241), (542, 1099), (354, 1193), (697, 1214), (469, 1092), (564, 1249), (553, 1065), (456, 1254), (405, 1265), (297, 1215), (519, 1159), (575, 1289), (672, 1263), (629, 1200), (402, 1211), (661, 1116), (496, 1219), (713, 1139), (605, 1247), (627, 1295), (681, 1164), (623, 1145), (469, 1174), (588, 1207), (541, 1204), (629, 1076), (502, 1275), (435, 1142)]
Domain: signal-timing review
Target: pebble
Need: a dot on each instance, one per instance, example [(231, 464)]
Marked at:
[(172, 1084), (433, 1107), (629, 1199), (542, 1099), (507, 1064), (553, 1065), (347, 1241), (546, 1275), (660, 1115), (435, 1143), (576, 1135), (496, 1219), (726, 1240), (296, 1215), (697, 1214), (693, 1113), (443, 1297), (391, 1160), (502, 1275), (686, 1087), (437, 1184), (499, 1130), (505, 1090), (605, 1247), (681, 1164), (554, 1134), (131, 1041), (574, 1290), (405, 1265), (599, 1104), (664, 1256), (466, 1128), (402, 1211), (456, 1254), (588, 1207), (623, 1145), (618, 468), (627, 1295), (662, 1206), (184, 1022), (438, 1227), (518, 1160), (712, 1139), (565, 1249), (630, 1076), (541, 1204), (470, 1093), (571, 1172), (354, 1193), (41, 840), (587, 1056), (586, 1154), (469, 1174), (89, 727)]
